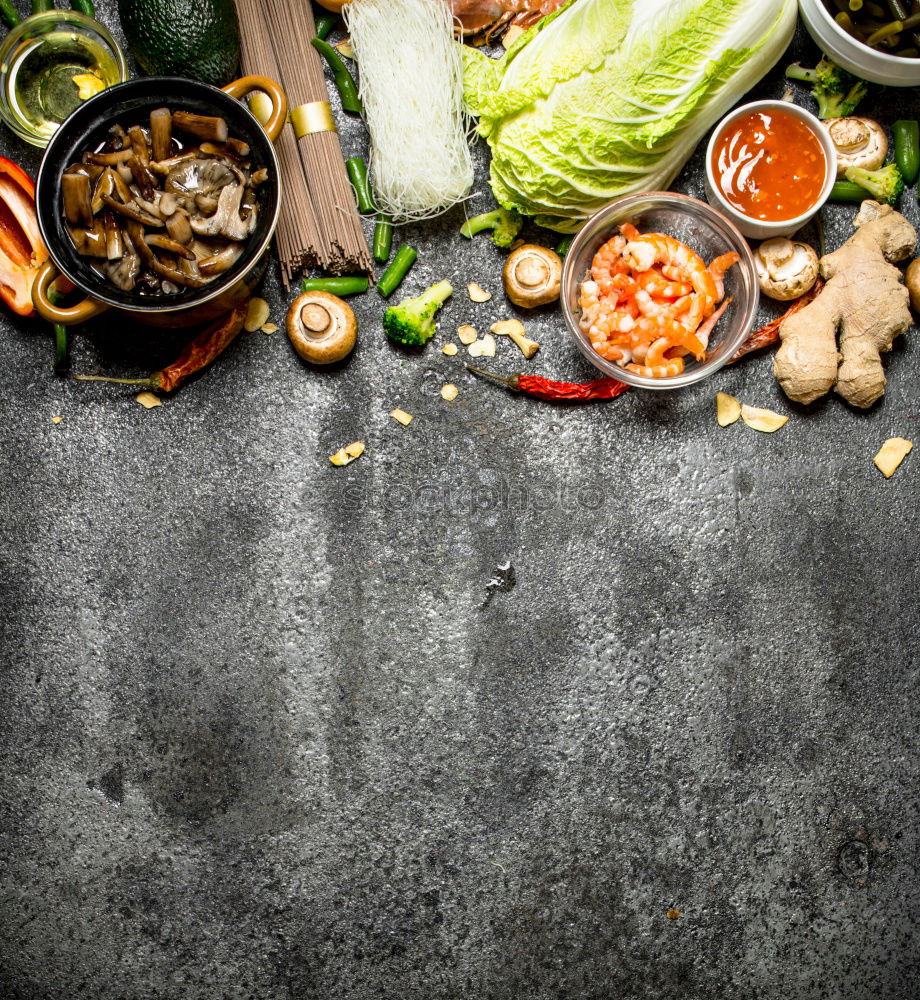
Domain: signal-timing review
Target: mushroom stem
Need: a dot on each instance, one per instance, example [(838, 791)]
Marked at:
[(206, 127), (160, 133), (78, 206), (114, 242)]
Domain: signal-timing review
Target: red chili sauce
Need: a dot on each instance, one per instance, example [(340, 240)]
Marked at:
[(769, 165)]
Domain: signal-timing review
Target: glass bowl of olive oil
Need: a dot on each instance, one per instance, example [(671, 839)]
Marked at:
[(51, 63)]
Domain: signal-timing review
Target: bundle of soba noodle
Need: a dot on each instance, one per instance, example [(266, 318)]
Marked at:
[(411, 85)]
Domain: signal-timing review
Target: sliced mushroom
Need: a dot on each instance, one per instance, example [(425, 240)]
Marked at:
[(89, 242), (199, 176), (171, 246), (78, 204), (105, 185), (109, 159), (131, 211), (167, 204), (123, 273), (142, 177), (322, 327), (226, 220), (860, 142), (206, 127), (160, 133), (532, 276), (139, 144), (114, 241), (219, 263), (179, 228), (786, 268)]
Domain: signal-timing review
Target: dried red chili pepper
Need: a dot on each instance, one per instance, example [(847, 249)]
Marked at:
[(198, 354), (545, 388), (769, 334), (21, 246)]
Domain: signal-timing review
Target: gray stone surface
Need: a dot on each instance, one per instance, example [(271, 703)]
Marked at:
[(268, 733)]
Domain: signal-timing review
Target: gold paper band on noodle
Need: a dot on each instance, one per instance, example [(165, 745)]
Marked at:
[(313, 117)]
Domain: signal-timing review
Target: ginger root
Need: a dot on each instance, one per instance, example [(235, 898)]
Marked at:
[(863, 298)]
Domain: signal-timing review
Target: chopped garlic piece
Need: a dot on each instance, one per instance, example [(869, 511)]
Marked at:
[(514, 329), (449, 392), (401, 416), (270, 328), (484, 348), (728, 409), (148, 400), (891, 455), (345, 49), (511, 36), (762, 420), (477, 293), (467, 334), (348, 454), (449, 349), (256, 315), (56, 420)]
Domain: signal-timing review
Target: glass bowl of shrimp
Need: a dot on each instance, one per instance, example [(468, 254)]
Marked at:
[(659, 290)]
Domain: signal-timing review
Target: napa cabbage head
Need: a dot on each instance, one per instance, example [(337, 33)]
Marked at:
[(610, 97)]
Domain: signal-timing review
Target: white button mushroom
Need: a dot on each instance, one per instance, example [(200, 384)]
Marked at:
[(322, 327), (860, 142), (786, 268), (532, 276)]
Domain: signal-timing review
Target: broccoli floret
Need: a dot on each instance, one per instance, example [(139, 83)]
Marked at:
[(826, 74), (840, 105), (884, 184), (411, 322), (836, 91), (505, 224)]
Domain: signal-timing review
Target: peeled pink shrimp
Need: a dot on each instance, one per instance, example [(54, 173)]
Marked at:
[(718, 268), (649, 249)]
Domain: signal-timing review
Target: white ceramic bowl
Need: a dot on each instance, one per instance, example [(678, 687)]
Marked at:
[(757, 229), (852, 55)]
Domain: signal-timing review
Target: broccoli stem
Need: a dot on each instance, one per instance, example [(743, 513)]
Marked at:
[(798, 72), (392, 277), (488, 220)]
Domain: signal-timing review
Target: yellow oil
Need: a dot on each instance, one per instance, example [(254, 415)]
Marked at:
[(50, 76)]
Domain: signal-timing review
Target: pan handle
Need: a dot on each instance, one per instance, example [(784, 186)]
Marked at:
[(66, 316), (247, 84)]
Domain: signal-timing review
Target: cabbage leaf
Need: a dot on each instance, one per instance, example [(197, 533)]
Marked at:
[(605, 98)]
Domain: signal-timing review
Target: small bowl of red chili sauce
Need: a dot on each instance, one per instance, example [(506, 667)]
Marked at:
[(770, 166)]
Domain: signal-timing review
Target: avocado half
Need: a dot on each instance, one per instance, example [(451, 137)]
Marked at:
[(198, 39)]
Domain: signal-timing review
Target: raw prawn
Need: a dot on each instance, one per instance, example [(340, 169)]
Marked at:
[(490, 19), (649, 300)]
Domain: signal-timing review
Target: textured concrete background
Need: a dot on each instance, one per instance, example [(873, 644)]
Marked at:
[(466, 718)]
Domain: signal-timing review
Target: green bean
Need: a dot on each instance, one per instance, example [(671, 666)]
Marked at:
[(856, 4), (325, 22), (392, 277), (562, 247), (61, 336), (9, 13), (357, 174), (383, 239), (84, 7), (344, 81), (907, 149), (349, 285)]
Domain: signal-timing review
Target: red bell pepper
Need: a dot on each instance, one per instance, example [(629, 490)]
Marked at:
[(21, 248)]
